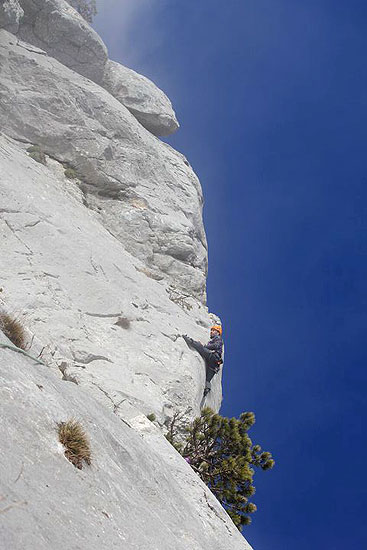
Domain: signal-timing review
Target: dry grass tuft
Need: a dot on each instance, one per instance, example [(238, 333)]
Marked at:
[(37, 154), (70, 173), (14, 330), (76, 443)]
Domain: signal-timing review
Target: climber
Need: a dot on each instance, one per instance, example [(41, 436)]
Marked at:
[(212, 353)]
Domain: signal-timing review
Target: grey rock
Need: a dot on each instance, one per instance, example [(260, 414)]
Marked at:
[(142, 97), (144, 192), (137, 494), (10, 15), (72, 283), (106, 271), (58, 29)]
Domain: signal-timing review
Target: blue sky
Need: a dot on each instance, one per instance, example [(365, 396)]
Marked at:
[(271, 96)]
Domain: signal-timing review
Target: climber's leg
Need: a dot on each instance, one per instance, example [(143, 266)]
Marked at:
[(204, 352), (210, 372), (211, 363)]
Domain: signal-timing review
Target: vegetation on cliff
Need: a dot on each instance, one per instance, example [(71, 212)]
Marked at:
[(14, 330), (76, 443), (222, 454)]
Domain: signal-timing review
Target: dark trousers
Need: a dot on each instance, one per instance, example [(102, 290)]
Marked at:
[(211, 362)]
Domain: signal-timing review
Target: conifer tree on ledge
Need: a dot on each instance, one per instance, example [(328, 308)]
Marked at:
[(221, 452), (86, 8)]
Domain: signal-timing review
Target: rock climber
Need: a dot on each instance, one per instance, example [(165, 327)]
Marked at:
[(212, 353)]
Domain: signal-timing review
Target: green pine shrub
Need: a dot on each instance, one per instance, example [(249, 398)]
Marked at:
[(220, 451)]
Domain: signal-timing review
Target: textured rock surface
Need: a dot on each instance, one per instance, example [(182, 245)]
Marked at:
[(57, 28), (146, 193), (142, 97), (10, 15), (138, 494), (105, 271), (88, 301)]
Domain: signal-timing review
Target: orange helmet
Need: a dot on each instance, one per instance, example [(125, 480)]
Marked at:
[(218, 328)]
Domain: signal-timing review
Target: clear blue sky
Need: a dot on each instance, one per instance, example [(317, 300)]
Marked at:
[(271, 95)]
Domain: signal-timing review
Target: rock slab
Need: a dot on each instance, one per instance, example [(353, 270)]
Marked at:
[(138, 493), (142, 97), (101, 320)]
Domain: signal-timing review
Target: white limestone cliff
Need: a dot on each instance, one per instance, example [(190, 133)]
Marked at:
[(138, 494), (146, 193), (91, 302), (103, 259)]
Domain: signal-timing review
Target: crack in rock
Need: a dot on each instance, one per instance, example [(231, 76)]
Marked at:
[(89, 358), (217, 514), (18, 238), (154, 359), (115, 405), (103, 315), (172, 337), (147, 376)]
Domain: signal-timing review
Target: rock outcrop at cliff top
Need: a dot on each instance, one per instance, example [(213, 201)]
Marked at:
[(144, 100), (10, 15), (57, 28), (146, 193), (103, 258)]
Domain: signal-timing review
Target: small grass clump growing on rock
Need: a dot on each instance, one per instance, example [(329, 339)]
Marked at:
[(76, 443), (37, 154), (70, 173), (14, 330), (152, 417)]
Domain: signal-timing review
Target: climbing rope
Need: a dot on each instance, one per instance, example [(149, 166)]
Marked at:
[(18, 350)]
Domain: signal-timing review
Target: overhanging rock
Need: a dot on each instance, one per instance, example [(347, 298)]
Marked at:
[(150, 106)]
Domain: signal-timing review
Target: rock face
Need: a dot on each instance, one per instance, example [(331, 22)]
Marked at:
[(103, 259), (146, 193), (90, 303), (138, 493), (10, 15), (55, 27), (145, 101)]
